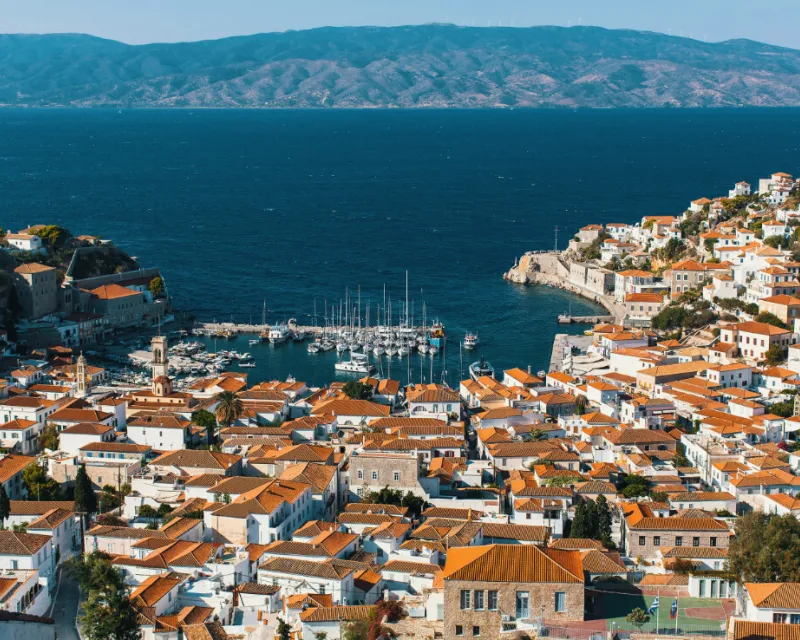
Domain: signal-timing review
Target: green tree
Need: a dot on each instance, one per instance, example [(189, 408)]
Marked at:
[(40, 486), (770, 318), (229, 408), (765, 548), (205, 419), (283, 631), (680, 456), (53, 236), (603, 520), (107, 613), (5, 506), (560, 481), (85, 498), (580, 405), (357, 390), (156, 286), (48, 438), (580, 523), (147, 512), (638, 618), (635, 486), (414, 504), (775, 354)]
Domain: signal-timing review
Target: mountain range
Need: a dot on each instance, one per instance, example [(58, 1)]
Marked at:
[(415, 66)]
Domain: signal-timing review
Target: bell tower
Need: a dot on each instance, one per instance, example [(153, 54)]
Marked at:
[(81, 377), (160, 356)]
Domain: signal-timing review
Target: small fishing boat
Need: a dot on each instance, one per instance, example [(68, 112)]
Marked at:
[(248, 365), (471, 341), (423, 347), (542, 373), (313, 347), (433, 350), (481, 368), (253, 342)]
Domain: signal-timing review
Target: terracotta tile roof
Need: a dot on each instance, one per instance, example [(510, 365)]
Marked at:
[(594, 561), (113, 291), (178, 526), (237, 485), (411, 567), (38, 508), (326, 545), (338, 613), (452, 512), (521, 449), (12, 464), (153, 588), (760, 328), (88, 429), (313, 528), (351, 408), (80, 415), (637, 436), (17, 425), (512, 563), (746, 630), (579, 544), (664, 580), (159, 421), (364, 518), (197, 458), (51, 519), (131, 533), (291, 566), (298, 600), (205, 631), (265, 499), (32, 267), (528, 533), (21, 544), (319, 476), (257, 589), (774, 595), (694, 552)]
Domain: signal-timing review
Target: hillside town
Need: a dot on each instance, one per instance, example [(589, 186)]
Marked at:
[(645, 484)]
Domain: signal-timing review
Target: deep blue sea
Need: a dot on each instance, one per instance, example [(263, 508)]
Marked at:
[(240, 206)]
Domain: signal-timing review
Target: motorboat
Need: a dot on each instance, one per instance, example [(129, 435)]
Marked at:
[(481, 368), (433, 350), (358, 363), (279, 334), (341, 347), (247, 365), (253, 342), (378, 351), (313, 347), (471, 341)]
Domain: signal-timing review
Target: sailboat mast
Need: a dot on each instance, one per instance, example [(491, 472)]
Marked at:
[(406, 297)]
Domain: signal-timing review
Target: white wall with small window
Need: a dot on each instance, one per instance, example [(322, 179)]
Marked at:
[(712, 585)]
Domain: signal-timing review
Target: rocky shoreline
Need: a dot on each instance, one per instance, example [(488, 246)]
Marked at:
[(548, 268)]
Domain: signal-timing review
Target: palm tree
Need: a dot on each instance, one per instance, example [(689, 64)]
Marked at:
[(229, 408)]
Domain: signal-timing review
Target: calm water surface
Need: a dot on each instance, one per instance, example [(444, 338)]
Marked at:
[(294, 206)]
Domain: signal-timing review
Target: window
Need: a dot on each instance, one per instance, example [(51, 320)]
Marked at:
[(713, 588), (794, 618), (478, 603), (678, 541), (712, 542), (465, 598), (561, 601), (396, 476), (492, 601), (523, 604), (360, 474), (322, 589), (695, 542), (476, 631), (459, 630), (374, 475), (642, 541), (657, 541), (780, 618), (702, 588)]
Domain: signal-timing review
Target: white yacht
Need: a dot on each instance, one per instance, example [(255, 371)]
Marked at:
[(313, 347), (471, 341), (279, 333), (358, 363)]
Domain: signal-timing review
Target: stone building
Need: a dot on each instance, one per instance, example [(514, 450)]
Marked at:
[(37, 289), (494, 589), (371, 471)]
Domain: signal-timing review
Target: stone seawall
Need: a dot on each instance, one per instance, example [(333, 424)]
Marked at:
[(550, 269)]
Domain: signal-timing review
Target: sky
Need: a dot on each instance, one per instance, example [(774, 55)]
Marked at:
[(144, 21)]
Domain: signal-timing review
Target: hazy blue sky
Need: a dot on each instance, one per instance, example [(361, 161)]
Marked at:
[(139, 21)]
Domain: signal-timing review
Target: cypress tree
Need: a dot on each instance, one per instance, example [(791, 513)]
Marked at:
[(85, 499), (5, 506), (603, 520)]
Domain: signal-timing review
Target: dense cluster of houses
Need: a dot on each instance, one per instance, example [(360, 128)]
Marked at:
[(467, 505)]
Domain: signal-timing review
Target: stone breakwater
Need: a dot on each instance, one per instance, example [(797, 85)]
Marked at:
[(551, 269)]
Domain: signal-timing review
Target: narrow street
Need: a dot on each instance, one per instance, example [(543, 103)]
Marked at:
[(65, 607)]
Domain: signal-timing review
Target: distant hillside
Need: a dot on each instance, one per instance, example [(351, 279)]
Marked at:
[(416, 66)]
